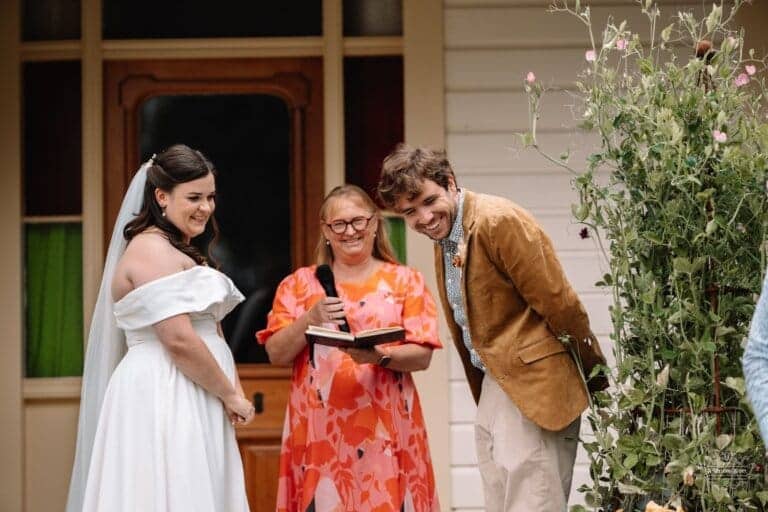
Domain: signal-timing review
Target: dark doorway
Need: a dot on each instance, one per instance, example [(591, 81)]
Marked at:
[(247, 137)]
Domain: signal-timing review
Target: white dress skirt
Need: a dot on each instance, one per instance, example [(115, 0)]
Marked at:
[(163, 443)]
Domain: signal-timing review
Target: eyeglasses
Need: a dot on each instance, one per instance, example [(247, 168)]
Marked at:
[(358, 224)]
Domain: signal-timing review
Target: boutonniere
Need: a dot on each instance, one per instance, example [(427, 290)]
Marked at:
[(458, 258)]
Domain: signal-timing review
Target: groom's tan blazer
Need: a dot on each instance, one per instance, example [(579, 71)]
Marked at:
[(518, 303)]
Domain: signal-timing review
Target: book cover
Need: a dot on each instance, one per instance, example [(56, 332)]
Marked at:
[(362, 339)]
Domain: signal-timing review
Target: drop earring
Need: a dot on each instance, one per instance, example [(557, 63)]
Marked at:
[(327, 242), (163, 211)]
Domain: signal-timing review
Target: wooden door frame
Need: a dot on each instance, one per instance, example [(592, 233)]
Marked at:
[(297, 81)]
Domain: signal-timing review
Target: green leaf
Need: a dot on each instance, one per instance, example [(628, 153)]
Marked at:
[(630, 489), (652, 460), (714, 17), (646, 68), (580, 211), (667, 32), (631, 460), (743, 442), (724, 331), (677, 317), (711, 227), (673, 442), (721, 119), (653, 237), (526, 139), (722, 441), (737, 384), (682, 265), (719, 494)]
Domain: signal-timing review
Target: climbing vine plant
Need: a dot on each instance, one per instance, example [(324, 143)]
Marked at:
[(675, 197)]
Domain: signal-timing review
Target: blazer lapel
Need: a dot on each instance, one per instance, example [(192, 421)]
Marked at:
[(468, 222), (440, 271)]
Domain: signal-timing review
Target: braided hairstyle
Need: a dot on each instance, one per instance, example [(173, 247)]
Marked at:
[(177, 164)]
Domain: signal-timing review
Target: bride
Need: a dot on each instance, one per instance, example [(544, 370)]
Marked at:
[(160, 390)]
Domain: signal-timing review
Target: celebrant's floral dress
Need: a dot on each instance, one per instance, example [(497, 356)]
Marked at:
[(354, 436)]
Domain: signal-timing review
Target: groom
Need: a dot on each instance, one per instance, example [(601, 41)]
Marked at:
[(513, 316)]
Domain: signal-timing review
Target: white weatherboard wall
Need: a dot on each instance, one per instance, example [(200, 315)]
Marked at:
[(489, 48)]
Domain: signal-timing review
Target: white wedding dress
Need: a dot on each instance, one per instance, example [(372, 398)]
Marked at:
[(163, 443)]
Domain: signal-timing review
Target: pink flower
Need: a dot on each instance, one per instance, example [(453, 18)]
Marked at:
[(591, 56), (530, 77), (719, 136), (740, 80), (750, 69), (621, 44)]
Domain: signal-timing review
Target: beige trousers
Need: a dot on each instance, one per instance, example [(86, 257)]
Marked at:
[(524, 467)]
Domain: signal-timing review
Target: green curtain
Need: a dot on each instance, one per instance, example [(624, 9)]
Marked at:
[(54, 300), (396, 229)]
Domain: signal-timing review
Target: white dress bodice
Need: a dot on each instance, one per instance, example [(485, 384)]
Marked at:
[(205, 294)]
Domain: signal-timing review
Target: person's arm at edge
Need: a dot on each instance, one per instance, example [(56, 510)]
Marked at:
[(755, 362)]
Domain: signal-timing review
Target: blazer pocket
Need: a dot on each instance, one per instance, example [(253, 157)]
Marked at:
[(540, 349)]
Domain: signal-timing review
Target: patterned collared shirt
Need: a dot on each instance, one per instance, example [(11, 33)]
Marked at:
[(755, 362), (450, 248)]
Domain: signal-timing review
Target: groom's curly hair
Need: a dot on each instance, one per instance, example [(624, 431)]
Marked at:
[(405, 169)]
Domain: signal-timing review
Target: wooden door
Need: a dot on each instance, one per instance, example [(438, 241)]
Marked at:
[(199, 91)]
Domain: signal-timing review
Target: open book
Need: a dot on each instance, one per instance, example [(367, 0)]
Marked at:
[(362, 339)]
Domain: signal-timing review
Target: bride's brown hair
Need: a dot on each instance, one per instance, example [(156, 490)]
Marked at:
[(177, 164)]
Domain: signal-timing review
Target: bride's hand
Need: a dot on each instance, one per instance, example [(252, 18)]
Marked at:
[(239, 409)]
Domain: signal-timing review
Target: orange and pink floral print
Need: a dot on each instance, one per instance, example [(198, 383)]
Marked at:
[(354, 436)]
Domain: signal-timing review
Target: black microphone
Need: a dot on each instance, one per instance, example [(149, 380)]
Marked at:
[(324, 274)]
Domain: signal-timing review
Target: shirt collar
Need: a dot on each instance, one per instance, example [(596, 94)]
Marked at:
[(456, 235)]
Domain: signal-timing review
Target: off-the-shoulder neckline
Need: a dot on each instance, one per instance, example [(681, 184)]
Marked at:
[(164, 278)]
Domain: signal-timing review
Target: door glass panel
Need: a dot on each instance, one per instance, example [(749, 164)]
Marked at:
[(373, 116), (247, 137), (52, 152), (49, 20), (150, 19), (373, 17)]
